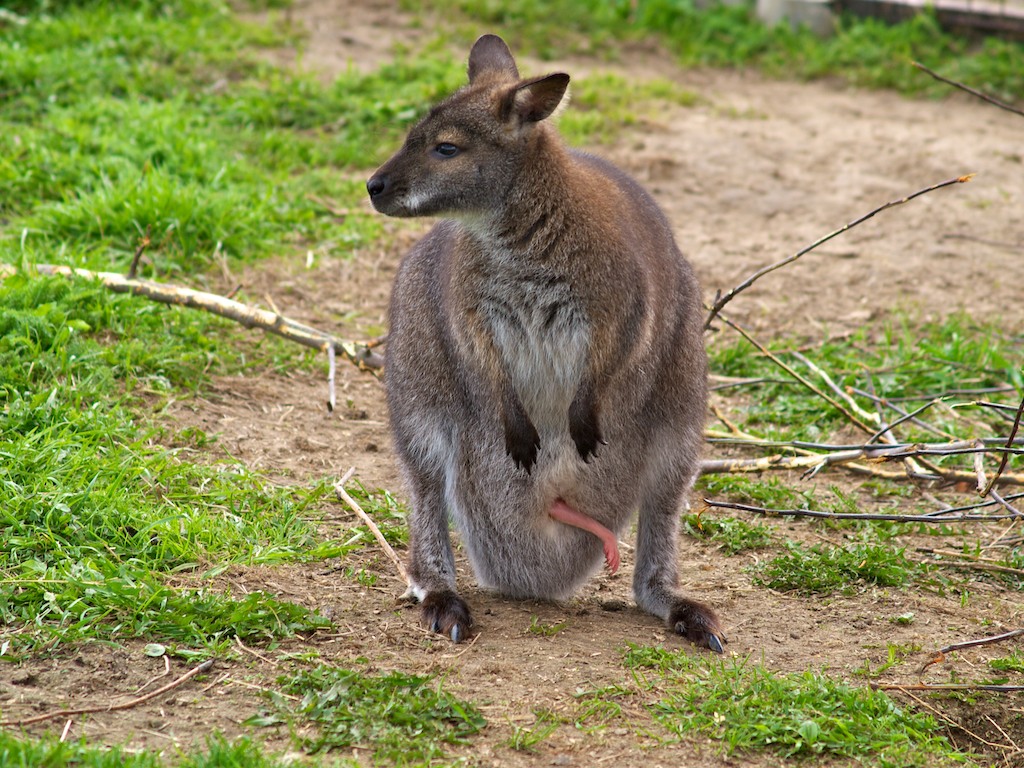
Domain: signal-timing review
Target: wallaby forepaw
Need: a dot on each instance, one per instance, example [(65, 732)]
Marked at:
[(522, 445), (698, 624), (587, 436), (447, 614)]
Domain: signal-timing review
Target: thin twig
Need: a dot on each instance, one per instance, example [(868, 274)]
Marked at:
[(890, 403), (775, 359), (853, 405), (1004, 503), (1006, 456), (850, 457), (912, 416), (950, 721), (968, 89), (165, 673), (202, 668), (721, 301), (983, 641), (946, 687), (975, 564), (893, 518), (339, 489), (143, 243)]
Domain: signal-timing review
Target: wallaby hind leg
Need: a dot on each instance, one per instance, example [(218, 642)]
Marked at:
[(655, 577), (432, 563)]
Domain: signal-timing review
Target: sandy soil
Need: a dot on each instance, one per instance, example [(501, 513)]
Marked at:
[(755, 171)]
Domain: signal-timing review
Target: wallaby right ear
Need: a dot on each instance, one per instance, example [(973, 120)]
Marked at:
[(533, 100), (491, 54)]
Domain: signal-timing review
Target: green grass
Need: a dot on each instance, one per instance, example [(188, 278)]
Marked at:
[(94, 513), (767, 491), (603, 105), (862, 52), (164, 116), (731, 534), (51, 753), (825, 570), (524, 739), (161, 117), (1013, 663), (745, 707), (403, 719), (907, 363)]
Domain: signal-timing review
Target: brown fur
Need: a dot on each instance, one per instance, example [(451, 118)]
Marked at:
[(545, 345)]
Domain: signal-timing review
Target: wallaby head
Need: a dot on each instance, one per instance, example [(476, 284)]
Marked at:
[(462, 158)]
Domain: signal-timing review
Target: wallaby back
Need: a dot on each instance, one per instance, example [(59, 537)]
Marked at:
[(545, 352)]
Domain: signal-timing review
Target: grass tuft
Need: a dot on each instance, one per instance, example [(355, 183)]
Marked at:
[(404, 719), (746, 707), (823, 570), (731, 534)]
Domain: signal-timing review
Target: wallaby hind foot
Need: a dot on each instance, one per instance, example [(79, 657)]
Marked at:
[(697, 623)]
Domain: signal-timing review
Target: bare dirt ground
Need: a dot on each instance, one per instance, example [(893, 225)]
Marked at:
[(752, 173)]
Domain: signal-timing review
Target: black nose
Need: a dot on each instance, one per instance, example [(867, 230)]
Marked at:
[(376, 185)]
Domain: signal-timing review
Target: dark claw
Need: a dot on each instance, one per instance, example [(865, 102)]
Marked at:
[(697, 623), (447, 614)]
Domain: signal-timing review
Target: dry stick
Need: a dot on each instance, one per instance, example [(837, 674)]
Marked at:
[(1006, 456), (339, 489), (890, 403), (331, 368), (893, 518), (946, 687), (1004, 503), (360, 355), (775, 359), (950, 721), (143, 243), (805, 462), (912, 416), (874, 450), (721, 301), (974, 565), (204, 667), (983, 641), (972, 91), (847, 456)]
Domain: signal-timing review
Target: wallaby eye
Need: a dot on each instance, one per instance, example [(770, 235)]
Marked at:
[(445, 149)]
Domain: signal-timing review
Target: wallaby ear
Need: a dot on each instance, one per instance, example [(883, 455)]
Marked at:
[(490, 54), (533, 100)]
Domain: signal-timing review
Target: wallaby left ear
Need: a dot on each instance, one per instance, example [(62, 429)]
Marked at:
[(533, 100), (490, 55)]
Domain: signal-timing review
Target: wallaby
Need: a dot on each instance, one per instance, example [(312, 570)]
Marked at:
[(546, 373)]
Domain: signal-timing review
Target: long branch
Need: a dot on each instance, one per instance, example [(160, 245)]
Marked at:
[(359, 354), (721, 301), (954, 518), (968, 89), (197, 670)]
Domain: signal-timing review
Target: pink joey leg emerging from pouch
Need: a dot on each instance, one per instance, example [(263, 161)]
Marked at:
[(563, 513)]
